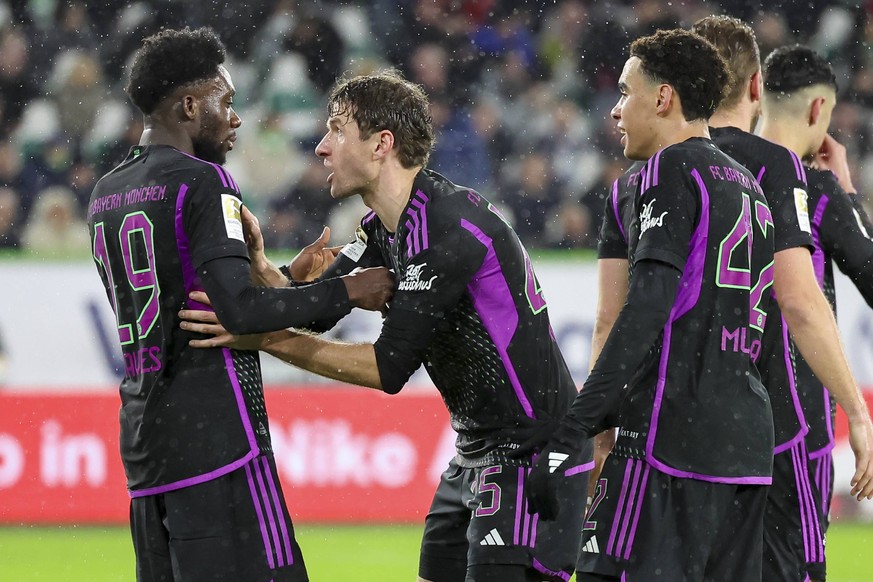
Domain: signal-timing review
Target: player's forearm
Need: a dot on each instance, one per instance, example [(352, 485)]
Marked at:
[(266, 274), (814, 331), (352, 363)]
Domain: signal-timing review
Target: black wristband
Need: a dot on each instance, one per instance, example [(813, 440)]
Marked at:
[(285, 270)]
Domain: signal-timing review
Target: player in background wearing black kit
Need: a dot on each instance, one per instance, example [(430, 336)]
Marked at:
[(206, 501), (681, 495), (798, 86), (469, 308), (790, 534)]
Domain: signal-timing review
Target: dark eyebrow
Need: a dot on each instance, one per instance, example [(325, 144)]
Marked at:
[(622, 86)]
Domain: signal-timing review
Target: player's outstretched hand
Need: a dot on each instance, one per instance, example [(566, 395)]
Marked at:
[(206, 322), (370, 289), (315, 257), (861, 440), (547, 472)]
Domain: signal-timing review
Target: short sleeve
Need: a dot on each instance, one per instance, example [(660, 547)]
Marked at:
[(667, 214), (612, 243), (784, 184), (210, 213)]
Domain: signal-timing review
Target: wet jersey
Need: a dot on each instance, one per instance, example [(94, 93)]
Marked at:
[(842, 233), (492, 355), (783, 179), (696, 407), (187, 415)]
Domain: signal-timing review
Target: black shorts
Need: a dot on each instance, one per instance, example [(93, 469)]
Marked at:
[(645, 525), (232, 528), (821, 474), (479, 517), (793, 536)]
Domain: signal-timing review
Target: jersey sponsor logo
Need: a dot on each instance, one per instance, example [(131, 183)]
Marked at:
[(591, 546), (230, 209), (492, 538), (648, 221), (412, 280), (802, 207)]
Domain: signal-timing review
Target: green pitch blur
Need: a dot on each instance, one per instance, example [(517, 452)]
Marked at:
[(364, 553)]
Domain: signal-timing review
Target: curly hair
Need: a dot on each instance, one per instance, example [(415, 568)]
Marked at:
[(385, 100), (736, 43), (791, 68), (170, 59), (690, 64)]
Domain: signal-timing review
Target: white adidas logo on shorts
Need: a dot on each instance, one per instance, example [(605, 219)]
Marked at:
[(492, 538), (591, 546)]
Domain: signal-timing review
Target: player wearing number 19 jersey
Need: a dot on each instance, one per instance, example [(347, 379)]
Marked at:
[(206, 501)]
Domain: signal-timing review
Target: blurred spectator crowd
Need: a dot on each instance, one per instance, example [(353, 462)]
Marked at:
[(520, 91)]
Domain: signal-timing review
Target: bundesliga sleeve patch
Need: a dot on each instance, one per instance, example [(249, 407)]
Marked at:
[(230, 209), (800, 204), (355, 250)]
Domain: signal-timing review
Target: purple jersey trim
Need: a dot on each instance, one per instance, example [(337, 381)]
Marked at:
[(417, 238), (689, 293), (269, 514), (761, 174), (798, 167), (792, 387), (616, 210), (579, 469), (494, 303), (240, 400), (368, 217), (197, 480), (818, 257), (226, 179)]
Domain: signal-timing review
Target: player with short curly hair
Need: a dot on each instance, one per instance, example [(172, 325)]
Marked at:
[(206, 502), (681, 495)]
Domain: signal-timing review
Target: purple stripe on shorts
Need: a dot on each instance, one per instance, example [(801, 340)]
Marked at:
[(277, 503), (534, 523), (816, 540), (617, 519), (633, 501), (519, 506), (495, 305), (801, 504), (261, 522), (270, 515), (637, 510)]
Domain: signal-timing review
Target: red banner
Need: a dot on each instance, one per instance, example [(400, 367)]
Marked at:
[(344, 455)]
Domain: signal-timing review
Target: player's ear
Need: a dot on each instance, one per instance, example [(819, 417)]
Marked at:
[(189, 106), (756, 86), (815, 110), (665, 98), (385, 144)]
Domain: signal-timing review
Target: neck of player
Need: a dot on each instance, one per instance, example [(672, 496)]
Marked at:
[(391, 194)]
